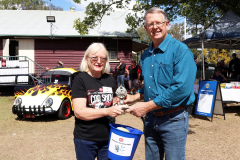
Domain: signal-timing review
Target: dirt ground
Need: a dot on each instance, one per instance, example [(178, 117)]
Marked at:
[(48, 138)]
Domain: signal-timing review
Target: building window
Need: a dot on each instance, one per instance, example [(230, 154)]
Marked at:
[(111, 45)]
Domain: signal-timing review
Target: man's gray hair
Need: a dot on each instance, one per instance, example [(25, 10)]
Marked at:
[(155, 10)]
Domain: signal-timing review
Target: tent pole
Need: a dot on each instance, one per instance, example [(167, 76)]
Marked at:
[(203, 60)]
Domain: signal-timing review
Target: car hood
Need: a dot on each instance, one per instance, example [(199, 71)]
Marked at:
[(37, 95)]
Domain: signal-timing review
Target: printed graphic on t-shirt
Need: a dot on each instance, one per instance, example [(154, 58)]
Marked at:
[(101, 98)]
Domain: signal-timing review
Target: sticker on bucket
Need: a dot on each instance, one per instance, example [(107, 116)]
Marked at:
[(121, 146)]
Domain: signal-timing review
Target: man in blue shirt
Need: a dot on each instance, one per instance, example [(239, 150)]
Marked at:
[(169, 72), (218, 76)]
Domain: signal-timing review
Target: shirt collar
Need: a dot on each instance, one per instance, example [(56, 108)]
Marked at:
[(163, 45)]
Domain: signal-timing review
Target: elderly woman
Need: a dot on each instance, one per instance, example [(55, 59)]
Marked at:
[(93, 96)]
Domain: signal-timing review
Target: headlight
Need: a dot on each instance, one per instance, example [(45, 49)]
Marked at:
[(18, 101), (49, 102)]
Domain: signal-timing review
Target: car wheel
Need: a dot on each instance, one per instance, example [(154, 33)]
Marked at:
[(64, 111)]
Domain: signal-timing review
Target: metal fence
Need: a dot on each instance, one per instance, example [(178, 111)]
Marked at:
[(34, 69)]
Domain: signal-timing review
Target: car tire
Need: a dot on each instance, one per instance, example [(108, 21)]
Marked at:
[(64, 111)]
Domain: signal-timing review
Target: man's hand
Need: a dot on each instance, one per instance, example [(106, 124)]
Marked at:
[(128, 99), (138, 109)]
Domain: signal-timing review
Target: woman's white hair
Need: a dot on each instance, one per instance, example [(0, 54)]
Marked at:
[(93, 49)]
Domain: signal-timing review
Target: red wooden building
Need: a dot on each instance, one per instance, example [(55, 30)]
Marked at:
[(27, 33)]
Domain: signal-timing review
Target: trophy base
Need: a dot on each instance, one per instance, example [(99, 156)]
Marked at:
[(123, 107)]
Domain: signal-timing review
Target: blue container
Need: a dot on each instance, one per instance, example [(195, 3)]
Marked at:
[(122, 145)]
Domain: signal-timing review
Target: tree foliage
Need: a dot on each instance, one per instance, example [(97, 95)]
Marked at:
[(144, 35), (198, 12), (177, 31), (27, 5), (213, 55), (195, 52)]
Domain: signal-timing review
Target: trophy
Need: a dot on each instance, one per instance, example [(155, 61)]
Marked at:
[(122, 93)]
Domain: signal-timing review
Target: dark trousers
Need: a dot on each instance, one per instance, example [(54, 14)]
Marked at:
[(89, 150)]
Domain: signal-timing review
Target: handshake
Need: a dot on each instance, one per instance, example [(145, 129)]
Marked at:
[(120, 104)]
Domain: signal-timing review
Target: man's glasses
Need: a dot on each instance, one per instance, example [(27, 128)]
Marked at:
[(95, 59), (158, 24)]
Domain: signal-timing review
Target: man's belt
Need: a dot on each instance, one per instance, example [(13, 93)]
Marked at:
[(163, 113)]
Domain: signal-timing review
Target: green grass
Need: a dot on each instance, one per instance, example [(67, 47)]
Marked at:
[(6, 104)]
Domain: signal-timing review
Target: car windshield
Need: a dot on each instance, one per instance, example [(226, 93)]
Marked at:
[(63, 79)]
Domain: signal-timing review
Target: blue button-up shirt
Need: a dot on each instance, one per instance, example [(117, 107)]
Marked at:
[(169, 73)]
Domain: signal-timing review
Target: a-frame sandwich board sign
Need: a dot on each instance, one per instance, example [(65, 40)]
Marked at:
[(209, 99)]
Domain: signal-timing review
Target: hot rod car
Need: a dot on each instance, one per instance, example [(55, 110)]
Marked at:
[(51, 95)]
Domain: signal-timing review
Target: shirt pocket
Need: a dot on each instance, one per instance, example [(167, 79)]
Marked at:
[(165, 74)]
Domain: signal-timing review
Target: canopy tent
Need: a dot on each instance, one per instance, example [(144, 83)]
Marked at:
[(222, 34)]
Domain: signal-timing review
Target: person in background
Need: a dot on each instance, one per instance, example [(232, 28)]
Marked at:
[(60, 65), (134, 73), (111, 71), (224, 69), (126, 79), (120, 68), (218, 64), (218, 76), (205, 63), (234, 66), (93, 96), (197, 63), (238, 78), (168, 71)]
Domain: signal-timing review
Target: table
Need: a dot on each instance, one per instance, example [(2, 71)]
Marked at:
[(228, 95), (231, 95)]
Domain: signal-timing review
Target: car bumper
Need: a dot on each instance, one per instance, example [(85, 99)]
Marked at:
[(32, 111)]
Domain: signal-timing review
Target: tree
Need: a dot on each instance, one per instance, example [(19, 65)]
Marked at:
[(203, 12), (213, 55), (27, 5), (177, 31), (195, 51), (144, 35)]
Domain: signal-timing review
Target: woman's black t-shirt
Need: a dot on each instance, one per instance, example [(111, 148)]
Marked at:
[(99, 93)]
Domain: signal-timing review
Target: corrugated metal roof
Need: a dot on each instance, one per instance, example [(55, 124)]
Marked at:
[(34, 23)]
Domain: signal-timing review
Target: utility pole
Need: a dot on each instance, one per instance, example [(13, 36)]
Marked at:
[(185, 27), (51, 22)]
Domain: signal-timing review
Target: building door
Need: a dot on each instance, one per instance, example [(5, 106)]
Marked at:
[(13, 49)]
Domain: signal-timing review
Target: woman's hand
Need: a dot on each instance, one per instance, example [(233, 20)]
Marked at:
[(114, 111), (116, 100)]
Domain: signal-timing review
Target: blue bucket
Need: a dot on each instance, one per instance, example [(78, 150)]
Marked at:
[(122, 145)]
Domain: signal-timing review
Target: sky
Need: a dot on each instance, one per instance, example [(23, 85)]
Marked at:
[(66, 4)]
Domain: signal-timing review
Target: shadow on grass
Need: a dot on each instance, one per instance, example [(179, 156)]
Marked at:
[(237, 114), (201, 117), (43, 118), (232, 109), (191, 132), (6, 94)]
